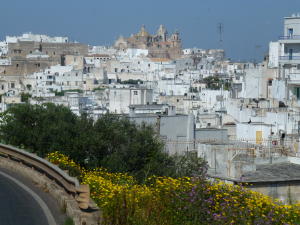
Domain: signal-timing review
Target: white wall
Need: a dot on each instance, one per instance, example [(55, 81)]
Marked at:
[(292, 22), (274, 48), (121, 98), (278, 90), (245, 131), (36, 38)]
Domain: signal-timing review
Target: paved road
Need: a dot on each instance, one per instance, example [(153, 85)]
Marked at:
[(18, 206)]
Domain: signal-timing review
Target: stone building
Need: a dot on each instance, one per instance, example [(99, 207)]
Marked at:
[(160, 45), (31, 56)]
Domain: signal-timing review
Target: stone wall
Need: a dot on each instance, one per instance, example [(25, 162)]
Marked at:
[(23, 66), (24, 48), (288, 192), (50, 54)]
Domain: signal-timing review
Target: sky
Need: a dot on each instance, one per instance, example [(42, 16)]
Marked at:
[(248, 25)]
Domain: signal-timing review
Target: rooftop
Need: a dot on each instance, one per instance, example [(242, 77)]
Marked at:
[(149, 106), (278, 172)]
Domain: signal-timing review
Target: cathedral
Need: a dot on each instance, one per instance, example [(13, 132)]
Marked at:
[(159, 45)]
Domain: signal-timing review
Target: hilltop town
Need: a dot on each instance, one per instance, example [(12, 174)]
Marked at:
[(241, 117)]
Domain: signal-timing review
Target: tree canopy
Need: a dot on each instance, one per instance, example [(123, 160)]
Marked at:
[(112, 141)]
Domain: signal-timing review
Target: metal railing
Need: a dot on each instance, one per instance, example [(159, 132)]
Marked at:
[(289, 57), (69, 184), (290, 37)]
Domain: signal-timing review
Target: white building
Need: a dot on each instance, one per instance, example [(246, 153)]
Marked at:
[(102, 50), (55, 79), (120, 98), (289, 58), (274, 51), (3, 48), (36, 38), (172, 87)]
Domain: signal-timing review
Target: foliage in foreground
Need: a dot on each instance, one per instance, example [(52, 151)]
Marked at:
[(181, 201), (112, 142)]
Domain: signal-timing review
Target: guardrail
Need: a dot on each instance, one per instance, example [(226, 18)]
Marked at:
[(70, 184)]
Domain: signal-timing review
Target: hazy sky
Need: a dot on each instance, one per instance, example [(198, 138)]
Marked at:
[(248, 24)]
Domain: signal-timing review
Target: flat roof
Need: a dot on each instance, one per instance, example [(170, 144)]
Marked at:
[(278, 172)]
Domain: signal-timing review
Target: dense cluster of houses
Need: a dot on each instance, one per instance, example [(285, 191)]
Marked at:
[(236, 115)]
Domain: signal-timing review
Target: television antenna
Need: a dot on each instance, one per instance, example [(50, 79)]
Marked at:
[(220, 31)]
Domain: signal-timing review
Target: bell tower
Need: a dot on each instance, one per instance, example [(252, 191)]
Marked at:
[(162, 33)]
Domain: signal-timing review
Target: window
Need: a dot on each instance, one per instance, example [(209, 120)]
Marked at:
[(17, 65), (297, 90), (135, 92), (290, 54), (290, 32), (270, 82), (12, 85), (2, 87)]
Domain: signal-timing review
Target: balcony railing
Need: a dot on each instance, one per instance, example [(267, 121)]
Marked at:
[(290, 37), (293, 78), (289, 57)]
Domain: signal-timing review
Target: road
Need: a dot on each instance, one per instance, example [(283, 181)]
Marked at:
[(18, 206)]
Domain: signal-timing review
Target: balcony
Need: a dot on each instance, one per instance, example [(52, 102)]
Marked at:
[(293, 78), (290, 59), (293, 39), (290, 37)]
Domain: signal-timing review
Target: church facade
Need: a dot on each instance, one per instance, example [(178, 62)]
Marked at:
[(159, 45)]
